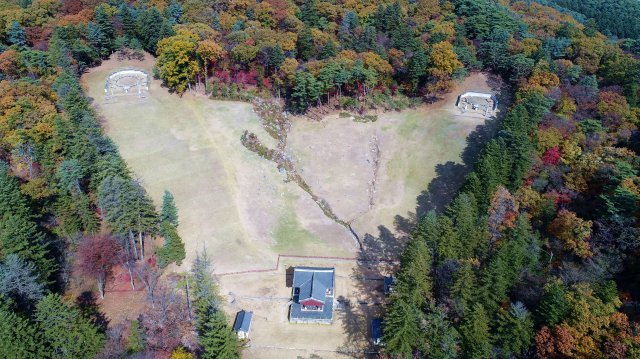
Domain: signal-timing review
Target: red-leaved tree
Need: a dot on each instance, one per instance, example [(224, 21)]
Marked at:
[(97, 255)]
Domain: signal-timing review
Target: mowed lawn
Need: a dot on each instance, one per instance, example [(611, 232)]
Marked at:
[(238, 206), (230, 200)]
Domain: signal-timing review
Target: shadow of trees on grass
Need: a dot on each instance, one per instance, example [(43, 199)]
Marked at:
[(389, 244)]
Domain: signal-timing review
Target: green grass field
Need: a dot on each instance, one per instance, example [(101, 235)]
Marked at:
[(237, 205)]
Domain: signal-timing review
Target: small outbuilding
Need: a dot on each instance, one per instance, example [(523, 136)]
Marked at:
[(242, 324), (376, 331)]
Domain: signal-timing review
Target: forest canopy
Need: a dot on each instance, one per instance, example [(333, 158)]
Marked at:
[(537, 255)]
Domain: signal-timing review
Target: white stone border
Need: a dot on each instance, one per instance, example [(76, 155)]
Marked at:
[(112, 89)]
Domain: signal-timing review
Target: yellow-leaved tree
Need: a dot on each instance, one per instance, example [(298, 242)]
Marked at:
[(444, 62), (177, 64)]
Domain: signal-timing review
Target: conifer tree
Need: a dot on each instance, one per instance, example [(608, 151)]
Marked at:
[(104, 32), (16, 35), (515, 330), (19, 338), (69, 174), (476, 340), (417, 68), (449, 245), (414, 277), (168, 211), (276, 58), (218, 339), (401, 328), (173, 12), (463, 289), (441, 339), (463, 211), (328, 50), (128, 22), (309, 13), (554, 306), (304, 45), (18, 232), (19, 281), (173, 249), (65, 332), (427, 230)]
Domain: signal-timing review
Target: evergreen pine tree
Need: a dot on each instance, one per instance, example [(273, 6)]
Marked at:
[(309, 13), (169, 212), (276, 58), (476, 341), (328, 50), (401, 328), (18, 337), (449, 245), (217, 339), (65, 332), (554, 306), (441, 339), (463, 210), (105, 34), (16, 35), (414, 277), (515, 330), (19, 281), (417, 68), (304, 45), (18, 232), (151, 27), (463, 289), (173, 249), (69, 174), (128, 22), (173, 12), (427, 230)]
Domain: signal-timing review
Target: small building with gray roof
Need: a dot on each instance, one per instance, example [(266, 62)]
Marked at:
[(312, 295), (242, 325)]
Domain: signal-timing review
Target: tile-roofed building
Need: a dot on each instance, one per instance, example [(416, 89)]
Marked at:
[(312, 296), (242, 324)]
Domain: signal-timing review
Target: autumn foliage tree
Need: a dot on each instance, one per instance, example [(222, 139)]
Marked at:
[(96, 256), (177, 64), (573, 232)]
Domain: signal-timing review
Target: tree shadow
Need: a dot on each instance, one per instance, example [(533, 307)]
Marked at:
[(90, 310), (442, 189), (381, 251)]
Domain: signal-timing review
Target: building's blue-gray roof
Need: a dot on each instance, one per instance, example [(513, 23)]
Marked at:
[(376, 329), (313, 282), (243, 321)]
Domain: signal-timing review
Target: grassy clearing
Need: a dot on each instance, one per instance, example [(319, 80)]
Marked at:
[(289, 233), (230, 200)]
